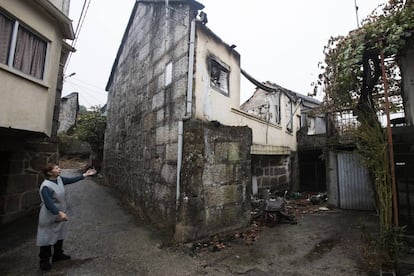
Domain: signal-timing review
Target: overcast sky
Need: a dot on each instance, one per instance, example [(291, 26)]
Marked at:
[(278, 41)]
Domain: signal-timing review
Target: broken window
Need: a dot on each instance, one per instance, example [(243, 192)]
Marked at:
[(289, 115), (20, 48), (277, 108), (219, 76)]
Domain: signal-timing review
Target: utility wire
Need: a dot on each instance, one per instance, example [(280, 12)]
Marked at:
[(89, 85), (79, 20), (93, 93), (83, 98), (79, 25), (88, 95)]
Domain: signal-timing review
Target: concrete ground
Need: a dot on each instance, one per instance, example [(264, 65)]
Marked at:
[(105, 239)]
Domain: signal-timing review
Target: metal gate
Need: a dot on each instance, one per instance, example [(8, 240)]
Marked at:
[(355, 188)]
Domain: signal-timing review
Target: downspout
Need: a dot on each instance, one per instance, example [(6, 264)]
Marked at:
[(189, 106), (190, 72), (167, 18)]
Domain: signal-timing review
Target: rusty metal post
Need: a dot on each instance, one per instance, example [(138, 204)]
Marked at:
[(390, 144)]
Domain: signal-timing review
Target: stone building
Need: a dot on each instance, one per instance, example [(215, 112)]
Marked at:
[(31, 85), (182, 170), (283, 113), (178, 147), (68, 112)]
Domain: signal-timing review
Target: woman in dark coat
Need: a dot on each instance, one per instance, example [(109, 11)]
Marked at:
[(52, 227)]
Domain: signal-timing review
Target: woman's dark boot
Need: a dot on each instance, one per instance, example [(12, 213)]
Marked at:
[(44, 255), (58, 252)]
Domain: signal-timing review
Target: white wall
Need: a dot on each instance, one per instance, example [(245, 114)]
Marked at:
[(27, 103), (212, 105)]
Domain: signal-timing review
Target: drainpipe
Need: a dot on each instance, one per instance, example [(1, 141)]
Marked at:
[(167, 18), (179, 160), (189, 106), (190, 72)]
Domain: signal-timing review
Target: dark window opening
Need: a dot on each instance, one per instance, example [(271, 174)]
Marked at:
[(289, 113), (219, 77), (277, 109)]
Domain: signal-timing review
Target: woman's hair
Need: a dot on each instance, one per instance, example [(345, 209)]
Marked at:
[(48, 168)]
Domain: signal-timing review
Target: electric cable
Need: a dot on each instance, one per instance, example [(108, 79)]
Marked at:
[(79, 26)]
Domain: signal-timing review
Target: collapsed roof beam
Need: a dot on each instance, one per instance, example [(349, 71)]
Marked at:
[(265, 87)]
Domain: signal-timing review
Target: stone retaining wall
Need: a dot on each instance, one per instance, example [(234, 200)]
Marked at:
[(216, 175), (21, 162)]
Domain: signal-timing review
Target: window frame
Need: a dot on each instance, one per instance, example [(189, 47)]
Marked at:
[(289, 110), (6, 52), (277, 108), (216, 63), (168, 73), (17, 27)]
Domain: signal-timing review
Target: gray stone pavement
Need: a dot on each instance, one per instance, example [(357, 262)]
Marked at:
[(105, 239)]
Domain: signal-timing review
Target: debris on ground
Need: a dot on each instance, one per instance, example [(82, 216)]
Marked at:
[(219, 242), (272, 208), (266, 211), (307, 203), (318, 198), (271, 211)]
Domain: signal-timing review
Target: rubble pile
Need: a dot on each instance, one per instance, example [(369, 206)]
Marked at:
[(218, 243), (307, 203), (268, 211)]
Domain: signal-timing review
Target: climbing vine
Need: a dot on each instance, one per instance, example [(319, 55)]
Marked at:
[(388, 29), (352, 80)]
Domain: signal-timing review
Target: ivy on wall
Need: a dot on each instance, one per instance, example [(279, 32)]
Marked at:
[(352, 80), (348, 59)]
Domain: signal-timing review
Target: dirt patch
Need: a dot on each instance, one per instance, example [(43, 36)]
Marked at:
[(321, 243), (322, 248)]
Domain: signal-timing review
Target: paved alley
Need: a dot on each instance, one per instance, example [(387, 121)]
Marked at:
[(105, 239)]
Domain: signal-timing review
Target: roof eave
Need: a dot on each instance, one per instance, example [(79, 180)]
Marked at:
[(65, 22), (197, 5)]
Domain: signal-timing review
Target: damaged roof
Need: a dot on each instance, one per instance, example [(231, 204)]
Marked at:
[(274, 88)]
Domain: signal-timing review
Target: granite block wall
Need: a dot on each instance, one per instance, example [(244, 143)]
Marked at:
[(21, 161), (216, 175), (140, 155), (141, 141), (274, 172)]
